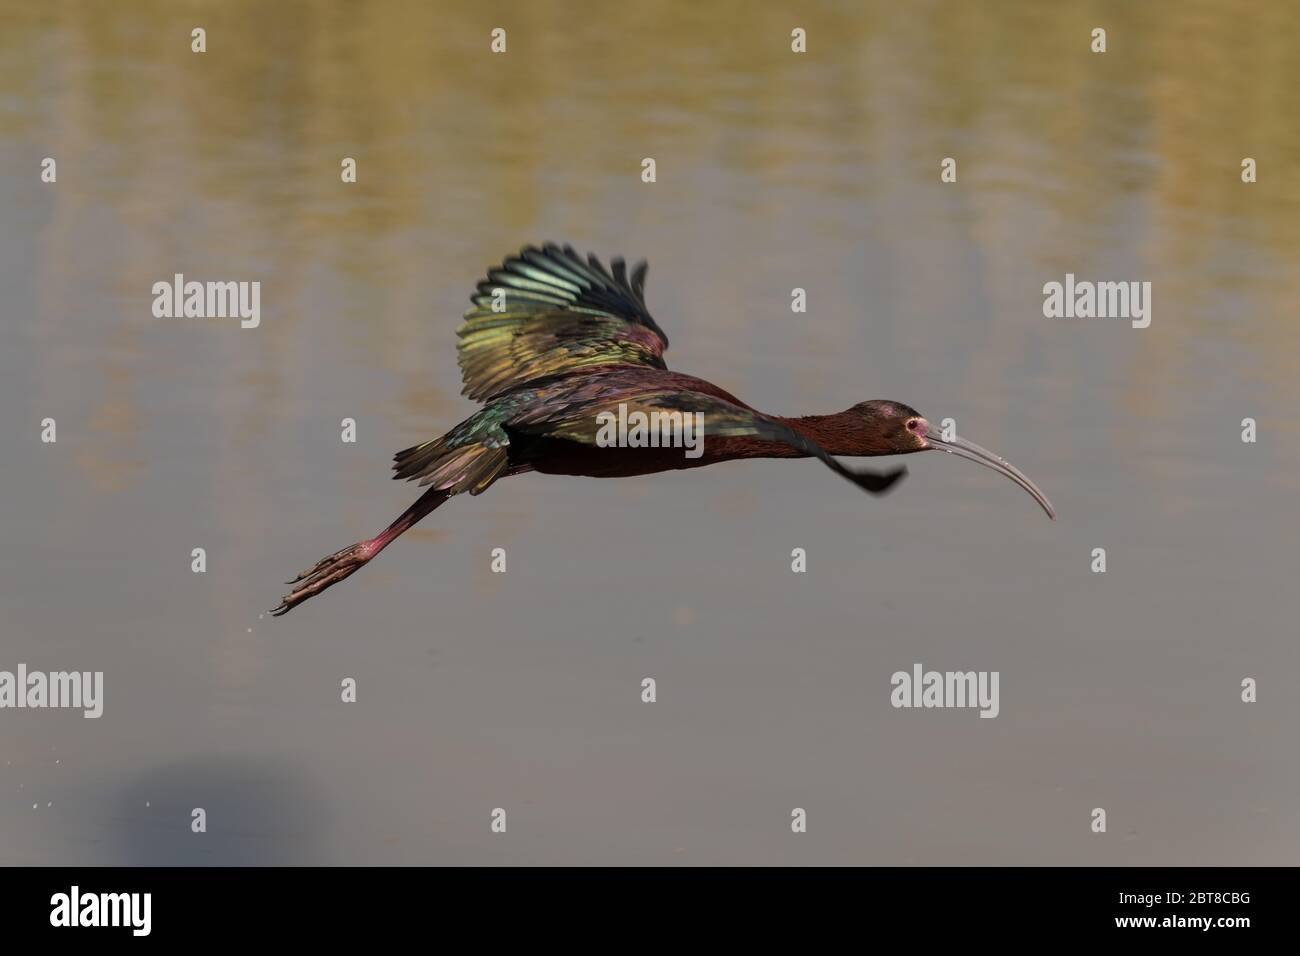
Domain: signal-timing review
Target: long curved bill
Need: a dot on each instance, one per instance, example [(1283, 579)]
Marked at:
[(973, 452)]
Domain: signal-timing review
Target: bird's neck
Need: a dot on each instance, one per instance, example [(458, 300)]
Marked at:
[(840, 434), (836, 433)]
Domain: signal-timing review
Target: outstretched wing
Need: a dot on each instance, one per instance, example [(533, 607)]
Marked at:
[(575, 414), (546, 312)]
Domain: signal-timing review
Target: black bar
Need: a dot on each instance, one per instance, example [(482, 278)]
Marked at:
[(374, 904)]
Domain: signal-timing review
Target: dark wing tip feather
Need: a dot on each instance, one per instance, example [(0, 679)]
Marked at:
[(610, 289), (562, 311), (877, 483)]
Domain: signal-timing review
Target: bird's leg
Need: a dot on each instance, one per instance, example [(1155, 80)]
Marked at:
[(331, 570)]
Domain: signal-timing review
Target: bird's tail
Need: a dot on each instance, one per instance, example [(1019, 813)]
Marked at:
[(468, 458)]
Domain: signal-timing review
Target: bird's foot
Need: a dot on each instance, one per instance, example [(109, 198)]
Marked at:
[(326, 573)]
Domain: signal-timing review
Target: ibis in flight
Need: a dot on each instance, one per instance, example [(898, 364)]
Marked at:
[(556, 348)]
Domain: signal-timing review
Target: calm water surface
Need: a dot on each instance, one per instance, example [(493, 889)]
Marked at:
[(522, 690)]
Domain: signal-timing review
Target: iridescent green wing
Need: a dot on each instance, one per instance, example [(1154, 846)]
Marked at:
[(546, 312)]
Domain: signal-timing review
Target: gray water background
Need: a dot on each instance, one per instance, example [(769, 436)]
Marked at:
[(479, 690)]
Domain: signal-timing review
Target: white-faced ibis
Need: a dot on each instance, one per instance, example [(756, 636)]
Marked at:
[(552, 347)]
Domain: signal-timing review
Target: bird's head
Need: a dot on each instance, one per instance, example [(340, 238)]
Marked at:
[(897, 429)]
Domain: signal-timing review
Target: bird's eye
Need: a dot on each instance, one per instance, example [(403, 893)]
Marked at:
[(913, 424)]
